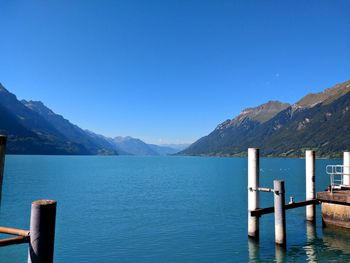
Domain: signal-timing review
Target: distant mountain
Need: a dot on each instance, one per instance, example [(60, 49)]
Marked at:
[(33, 128), (177, 147), (94, 143), (29, 133), (163, 150), (319, 121), (135, 146)]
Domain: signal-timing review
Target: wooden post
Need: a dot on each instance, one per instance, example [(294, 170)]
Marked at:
[(280, 213), (3, 140), (42, 231), (310, 184), (346, 170), (253, 193)]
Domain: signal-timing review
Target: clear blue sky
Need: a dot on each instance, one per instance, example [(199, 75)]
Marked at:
[(169, 71)]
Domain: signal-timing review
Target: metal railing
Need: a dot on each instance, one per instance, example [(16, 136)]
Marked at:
[(337, 174)]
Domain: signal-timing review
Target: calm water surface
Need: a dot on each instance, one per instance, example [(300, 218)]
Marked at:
[(162, 209)]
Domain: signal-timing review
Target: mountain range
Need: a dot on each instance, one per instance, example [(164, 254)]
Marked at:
[(319, 121), (33, 128)]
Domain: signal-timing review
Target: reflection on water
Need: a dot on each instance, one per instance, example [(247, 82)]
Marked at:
[(254, 250), (280, 254), (337, 238), (311, 237), (329, 244)]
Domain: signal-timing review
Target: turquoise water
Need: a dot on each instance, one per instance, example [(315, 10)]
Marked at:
[(162, 209)]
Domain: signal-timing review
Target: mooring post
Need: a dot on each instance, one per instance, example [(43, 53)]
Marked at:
[(346, 169), (42, 231), (280, 213), (3, 140), (253, 193), (310, 184)]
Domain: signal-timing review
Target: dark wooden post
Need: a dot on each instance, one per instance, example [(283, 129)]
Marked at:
[(3, 140), (280, 213), (42, 231)]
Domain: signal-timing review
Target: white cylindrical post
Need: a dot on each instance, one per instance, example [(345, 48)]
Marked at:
[(280, 213), (346, 169), (253, 193), (310, 184)]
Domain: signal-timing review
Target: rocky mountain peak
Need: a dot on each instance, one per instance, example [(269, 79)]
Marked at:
[(38, 106), (325, 97), (260, 114)]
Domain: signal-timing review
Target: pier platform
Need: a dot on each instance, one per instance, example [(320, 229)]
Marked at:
[(335, 207)]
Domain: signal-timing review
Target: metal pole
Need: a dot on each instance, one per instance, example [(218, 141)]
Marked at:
[(346, 169), (253, 193), (280, 213), (3, 140), (42, 231), (310, 184)]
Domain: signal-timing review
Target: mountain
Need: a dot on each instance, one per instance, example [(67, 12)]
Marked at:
[(163, 150), (94, 143), (33, 128), (177, 147), (319, 121), (29, 133), (135, 146)]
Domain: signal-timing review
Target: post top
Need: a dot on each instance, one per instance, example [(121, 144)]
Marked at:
[(44, 202), (3, 138), (253, 150)]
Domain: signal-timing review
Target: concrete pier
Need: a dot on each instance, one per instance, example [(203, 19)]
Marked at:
[(310, 184), (335, 208), (280, 213), (253, 193), (336, 203), (346, 169)]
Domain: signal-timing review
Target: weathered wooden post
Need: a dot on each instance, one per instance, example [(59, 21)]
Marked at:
[(3, 140), (253, 193), (310, 184), (346, 168), (280, 213), (42, 231)]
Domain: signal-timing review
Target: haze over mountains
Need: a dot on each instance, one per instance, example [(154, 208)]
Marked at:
[(32, 128), (318, 121)]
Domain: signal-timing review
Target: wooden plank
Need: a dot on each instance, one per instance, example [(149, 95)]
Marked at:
[(14, 241), (269, 210), (14, 231), (333, 202)]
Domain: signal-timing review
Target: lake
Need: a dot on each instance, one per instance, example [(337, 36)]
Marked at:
[(163, 209)]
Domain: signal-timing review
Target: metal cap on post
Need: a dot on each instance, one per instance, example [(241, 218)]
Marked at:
[(253, 194), (42, 231), (310, 184), (280, 213), (3, 140), (346, 168)]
